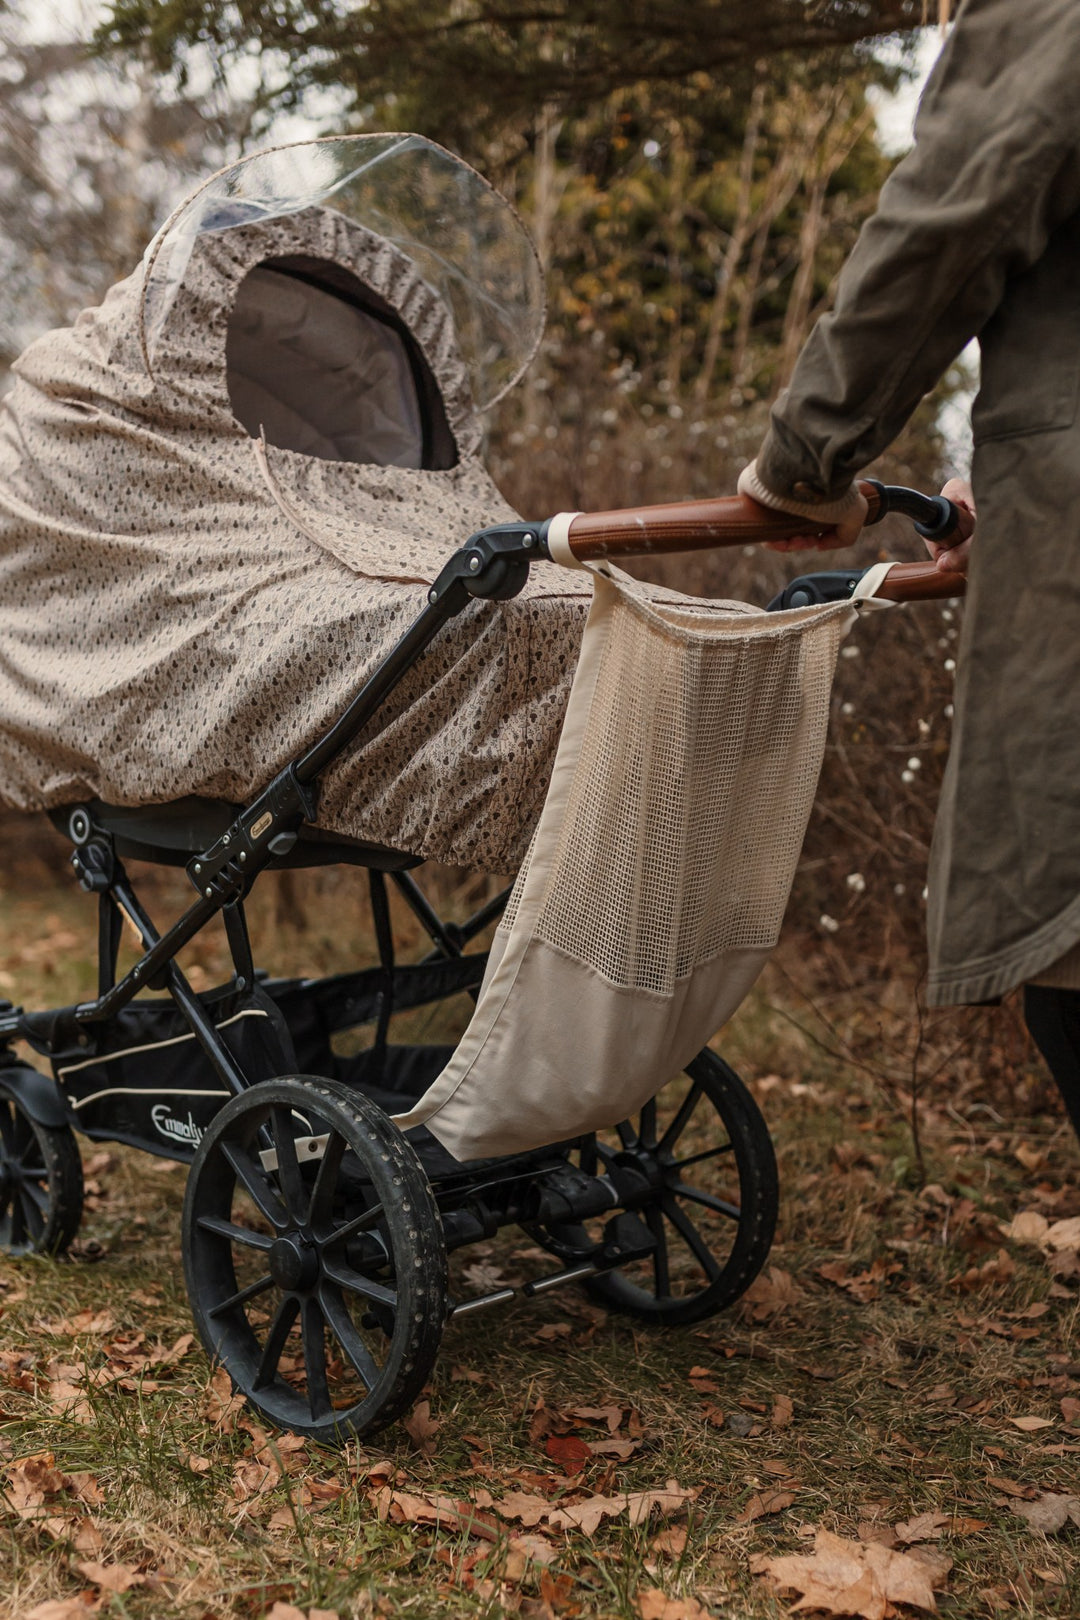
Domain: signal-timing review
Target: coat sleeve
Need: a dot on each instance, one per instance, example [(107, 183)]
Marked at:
[(994, 172)]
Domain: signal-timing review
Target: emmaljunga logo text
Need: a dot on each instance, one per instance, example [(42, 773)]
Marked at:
[(175, 1130)]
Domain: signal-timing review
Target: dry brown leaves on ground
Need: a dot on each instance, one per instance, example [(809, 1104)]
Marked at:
[(862, 1579), (573, 1511)]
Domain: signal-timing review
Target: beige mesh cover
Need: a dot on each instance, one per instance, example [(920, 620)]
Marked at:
[(656, 882)]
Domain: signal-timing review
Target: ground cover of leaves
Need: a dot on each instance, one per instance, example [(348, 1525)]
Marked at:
[(889, 1421)]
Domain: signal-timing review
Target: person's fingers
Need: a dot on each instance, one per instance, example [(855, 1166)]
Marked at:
[(952, 559), (961, 493)]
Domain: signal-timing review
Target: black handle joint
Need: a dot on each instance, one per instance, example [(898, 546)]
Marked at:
[(945, 524)]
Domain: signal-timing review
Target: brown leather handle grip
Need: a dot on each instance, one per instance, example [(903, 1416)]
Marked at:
[(919, 582), (727, 520)]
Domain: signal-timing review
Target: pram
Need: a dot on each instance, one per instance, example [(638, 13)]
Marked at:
[(315, 1230)]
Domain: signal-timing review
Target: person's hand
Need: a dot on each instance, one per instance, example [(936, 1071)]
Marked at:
[(845, 533), (954, 559)]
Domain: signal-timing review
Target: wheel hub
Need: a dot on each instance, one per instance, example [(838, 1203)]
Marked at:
[(643, 1162), (294, 1262)]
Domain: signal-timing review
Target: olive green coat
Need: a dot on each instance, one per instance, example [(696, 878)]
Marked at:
[(978, 234)]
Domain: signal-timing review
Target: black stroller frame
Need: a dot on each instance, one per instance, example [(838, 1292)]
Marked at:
[(302, 1195)]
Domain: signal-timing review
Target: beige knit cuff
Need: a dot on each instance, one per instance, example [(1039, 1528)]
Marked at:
[(825, 513)]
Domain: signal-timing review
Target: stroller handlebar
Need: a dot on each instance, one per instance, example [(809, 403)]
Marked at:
[(731, 520)]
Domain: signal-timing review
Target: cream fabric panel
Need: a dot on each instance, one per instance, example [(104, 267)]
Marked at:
[(656, 883)]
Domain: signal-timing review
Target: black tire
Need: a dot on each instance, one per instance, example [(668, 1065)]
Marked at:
[(41, 1182), (702, 1262), (342, 1244)]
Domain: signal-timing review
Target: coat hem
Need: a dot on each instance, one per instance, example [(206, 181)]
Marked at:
[(989, 977)]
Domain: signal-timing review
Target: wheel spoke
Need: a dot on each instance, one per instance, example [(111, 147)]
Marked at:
[(37, 1195), (699, 1158), (356, 1283), (345, 1332), (289, 1174), (252, 1291), (696, 1195), (322, 1192), (682, 1117), (236, 1234), (33, 1172), (32, 1214), (693, 1239), (661, 1271), (314, 1338), (359, 1223), (17, 1236), (280, 1328), (627, 1134), (647, 1128), (256, 1185)]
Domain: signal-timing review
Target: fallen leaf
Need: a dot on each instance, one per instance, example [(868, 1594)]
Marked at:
[(782, 1413), (529, 1510), (856, 1578), (1050, 1512), (111, 1577), (610, 1416), (1030, 1157), (671, 1540), (637, 1505), (1027, 1226), (1010, 1487), (769, 1294), (285, 1611), (569, 1451), (553, 1330), (923, 1527), (90, 1322), (652, 1604), (761, 1505), (1030, 1424), (620, 1449), (1070, 1409), (221, 1405), (69, 1400), (422, 1428), (872, 1530), (524, 1550), (1064, 1234), (1000, 1268)]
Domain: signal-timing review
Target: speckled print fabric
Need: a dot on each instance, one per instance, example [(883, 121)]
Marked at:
[(180, 615)]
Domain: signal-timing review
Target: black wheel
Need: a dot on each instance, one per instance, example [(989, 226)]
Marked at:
[(703, 1151), (314, 1257), (41, 1182)]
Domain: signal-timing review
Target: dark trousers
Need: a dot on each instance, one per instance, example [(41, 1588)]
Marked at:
[(1053, 1020)]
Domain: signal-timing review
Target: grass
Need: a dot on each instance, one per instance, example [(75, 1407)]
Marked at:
[(905, 1365)]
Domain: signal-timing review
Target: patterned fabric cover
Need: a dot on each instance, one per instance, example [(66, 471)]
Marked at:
[(182, 609)]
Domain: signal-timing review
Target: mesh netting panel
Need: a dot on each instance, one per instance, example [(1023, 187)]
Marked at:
[(697, 769)]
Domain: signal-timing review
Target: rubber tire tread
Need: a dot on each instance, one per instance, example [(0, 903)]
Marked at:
[(63, 1163), (425, 1335)]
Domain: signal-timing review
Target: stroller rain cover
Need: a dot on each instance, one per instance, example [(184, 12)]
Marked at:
[(224, 492)]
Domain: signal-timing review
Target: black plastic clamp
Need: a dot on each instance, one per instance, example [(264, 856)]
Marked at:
[(266, 829), (493, 565)]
